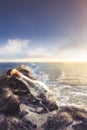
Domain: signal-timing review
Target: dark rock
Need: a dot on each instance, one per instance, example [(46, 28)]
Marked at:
[(9, 101), (67, 117), (54, 123), (81, 126), (78, 114), (23, 109), (12, 123), (59, 121), (44, 99), (50, 104)]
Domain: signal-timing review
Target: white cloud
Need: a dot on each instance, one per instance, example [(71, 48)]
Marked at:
[(39, 53), (24, 50), (16, 49)]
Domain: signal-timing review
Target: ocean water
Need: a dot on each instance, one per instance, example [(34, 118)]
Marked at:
[(68, 81)]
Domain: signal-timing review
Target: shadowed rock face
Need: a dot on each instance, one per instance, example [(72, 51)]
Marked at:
[(9, 102), (22, 109), (67, 118)]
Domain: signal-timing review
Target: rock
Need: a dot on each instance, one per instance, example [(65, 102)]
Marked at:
[(13, 123), (26, 71), (78, 114), (37, 89), (54, 123), (28, 104), (9, 102), (81, 126), (67, 118), (50, 103)]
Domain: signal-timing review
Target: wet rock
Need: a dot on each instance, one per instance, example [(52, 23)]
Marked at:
[(59, 121), (26, 71), (37, 89), (67, 118), (54, 123), (9, 102), (77, 113), (13, 123), (24, 108), (81, 126)]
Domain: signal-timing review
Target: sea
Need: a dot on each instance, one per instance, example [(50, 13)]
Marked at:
[(67, 81)]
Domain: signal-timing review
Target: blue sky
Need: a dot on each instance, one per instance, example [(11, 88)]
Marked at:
[(40, 30)]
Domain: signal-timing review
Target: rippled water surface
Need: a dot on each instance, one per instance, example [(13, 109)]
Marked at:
[(68, 81)]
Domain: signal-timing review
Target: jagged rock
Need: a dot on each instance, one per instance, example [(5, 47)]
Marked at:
[(26, 106), (9, 102), (13, 123), (67, 118), (26, 71), (39, 91), (81, 126)]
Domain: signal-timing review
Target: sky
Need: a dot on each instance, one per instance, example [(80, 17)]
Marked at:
[(43, 30)]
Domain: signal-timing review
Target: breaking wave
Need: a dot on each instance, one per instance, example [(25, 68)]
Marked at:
[(68, 82)]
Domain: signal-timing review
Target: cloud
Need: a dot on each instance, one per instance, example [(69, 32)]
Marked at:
[(39, 52), (16, 49), (25, 50), (70, 45)]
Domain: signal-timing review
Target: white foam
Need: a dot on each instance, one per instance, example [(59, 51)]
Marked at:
[(79, 94)]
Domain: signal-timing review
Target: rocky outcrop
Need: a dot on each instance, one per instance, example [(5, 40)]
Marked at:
[(27, 104), (67, 118)]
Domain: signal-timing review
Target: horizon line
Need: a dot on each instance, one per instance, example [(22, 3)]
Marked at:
[(52, 61)]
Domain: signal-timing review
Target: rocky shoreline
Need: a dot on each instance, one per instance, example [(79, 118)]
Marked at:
[(27, 104)]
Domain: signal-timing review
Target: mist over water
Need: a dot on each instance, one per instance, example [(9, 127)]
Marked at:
[(68, 81)]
